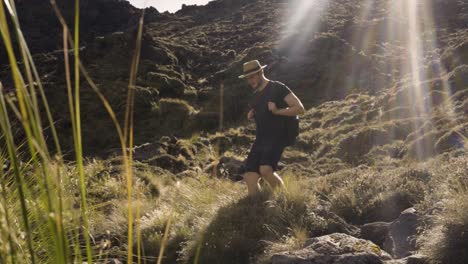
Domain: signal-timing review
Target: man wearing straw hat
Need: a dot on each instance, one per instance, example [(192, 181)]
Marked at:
[(271, 103)]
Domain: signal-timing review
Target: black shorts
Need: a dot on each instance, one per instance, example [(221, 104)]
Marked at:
[(264, 154)]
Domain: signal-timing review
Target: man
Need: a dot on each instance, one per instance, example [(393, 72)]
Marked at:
[(271, 104)]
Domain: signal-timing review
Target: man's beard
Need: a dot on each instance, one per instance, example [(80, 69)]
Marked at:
[(259, 84)]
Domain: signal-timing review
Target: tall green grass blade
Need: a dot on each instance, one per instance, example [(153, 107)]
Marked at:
[(6, 215), (6, 128), (128, 128), (78, 136)]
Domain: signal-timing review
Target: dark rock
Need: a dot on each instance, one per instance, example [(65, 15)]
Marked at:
[(336, 224), (231, 168), (147, 151), (168, 162), (401, 240), (167, 86), (375, 232)]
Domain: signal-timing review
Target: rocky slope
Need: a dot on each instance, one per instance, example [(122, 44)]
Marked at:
[(385, 129), (189, 54)]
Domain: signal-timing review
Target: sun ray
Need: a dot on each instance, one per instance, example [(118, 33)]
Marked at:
[(301, 24)]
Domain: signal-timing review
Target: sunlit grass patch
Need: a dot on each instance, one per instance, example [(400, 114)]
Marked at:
[(240, 230), (190, 206)]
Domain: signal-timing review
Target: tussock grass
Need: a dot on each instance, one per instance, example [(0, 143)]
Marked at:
[(46, 198), (91, 210), (213, 222), (366, 194), (446, 239)]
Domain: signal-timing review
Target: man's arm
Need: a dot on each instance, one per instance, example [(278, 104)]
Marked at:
[(251, 114), (294, 108)]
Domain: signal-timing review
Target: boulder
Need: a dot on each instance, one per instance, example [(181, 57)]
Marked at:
[(375, 232), (231, 168), (336, 248), (169, 163), (400, 241)]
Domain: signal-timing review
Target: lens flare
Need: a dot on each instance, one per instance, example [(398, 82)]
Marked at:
[(302, 22), (395, 40), (427, 84)]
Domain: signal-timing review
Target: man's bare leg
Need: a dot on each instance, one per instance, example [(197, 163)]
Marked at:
[(271, 177), (251, 179)]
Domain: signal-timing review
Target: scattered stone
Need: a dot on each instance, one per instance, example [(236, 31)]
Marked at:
[(231, 168), (147, 151), (375, 232), (334, 249), (168, 162), (400, 241)]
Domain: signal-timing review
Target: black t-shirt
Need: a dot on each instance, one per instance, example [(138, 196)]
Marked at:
[(270, 128)]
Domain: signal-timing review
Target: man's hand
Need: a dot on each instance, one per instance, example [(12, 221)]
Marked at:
[(251, 114), (272, 107)]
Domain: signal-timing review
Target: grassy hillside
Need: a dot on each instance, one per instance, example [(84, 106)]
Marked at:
[(113, 152)]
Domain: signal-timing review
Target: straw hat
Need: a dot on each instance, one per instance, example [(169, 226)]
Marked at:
[(252, 67)]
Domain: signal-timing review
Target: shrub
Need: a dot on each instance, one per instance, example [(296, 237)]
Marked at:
[(239, 231)]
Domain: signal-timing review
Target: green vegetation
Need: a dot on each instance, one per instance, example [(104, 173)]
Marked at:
[(177, 199)]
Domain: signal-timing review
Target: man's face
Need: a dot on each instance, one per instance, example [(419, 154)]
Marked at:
[(255, 80)]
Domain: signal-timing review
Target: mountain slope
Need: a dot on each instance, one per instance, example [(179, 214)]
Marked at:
[(381, 155)]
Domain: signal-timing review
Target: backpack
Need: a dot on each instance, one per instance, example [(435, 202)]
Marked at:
[(291, 129), (291, 124)]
